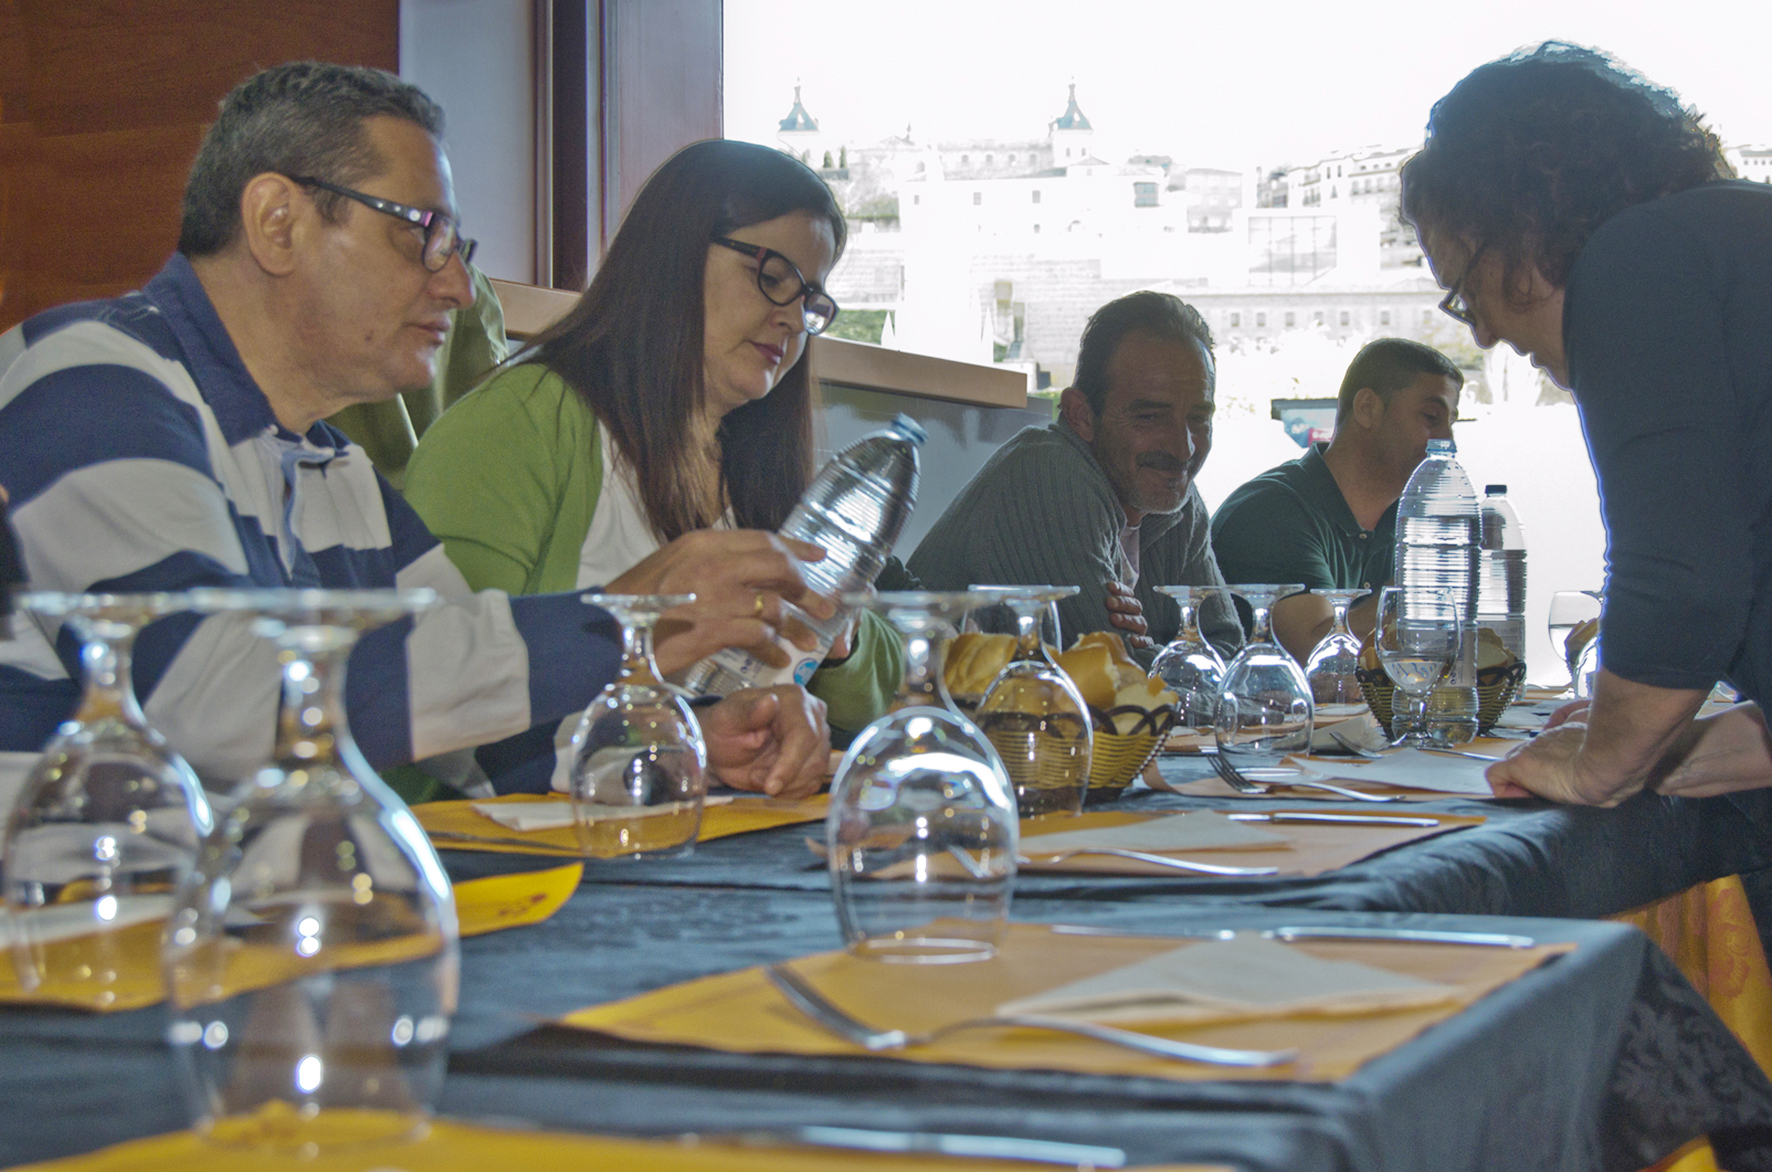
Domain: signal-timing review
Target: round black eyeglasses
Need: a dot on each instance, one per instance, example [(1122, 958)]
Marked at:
[(780, 282), (443, 238)]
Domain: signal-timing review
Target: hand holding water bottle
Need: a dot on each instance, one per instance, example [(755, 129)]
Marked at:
[(740, 579)]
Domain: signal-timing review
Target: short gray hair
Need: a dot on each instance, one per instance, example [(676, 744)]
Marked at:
[(300, 119)]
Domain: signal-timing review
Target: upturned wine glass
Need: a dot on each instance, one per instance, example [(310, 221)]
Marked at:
[(107, 822), (922, 830), (1190, 666), (1033, 714), (639, 765), (1417, 642), (1264, 710), (1335, 659), (311, 958)]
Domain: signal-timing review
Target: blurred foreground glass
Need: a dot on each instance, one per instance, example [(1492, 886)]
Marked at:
[(639, 764), (1264, 710), (1190, 666), (922, 830), (1417, 642), (1334, 687), (1033, 714), (311, 959), (106, 824)]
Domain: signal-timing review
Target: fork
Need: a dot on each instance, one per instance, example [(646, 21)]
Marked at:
[(1243, 785), (1146, 857), (809, 1001)]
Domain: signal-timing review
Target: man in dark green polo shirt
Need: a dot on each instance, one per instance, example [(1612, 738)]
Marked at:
[(1328, 519)]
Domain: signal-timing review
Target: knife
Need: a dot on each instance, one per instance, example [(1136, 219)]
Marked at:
[(1349, 819), (1413, 935), (997, 1147)]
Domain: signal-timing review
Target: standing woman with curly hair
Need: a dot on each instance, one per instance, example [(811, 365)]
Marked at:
[(1587, 218), (672, 401)]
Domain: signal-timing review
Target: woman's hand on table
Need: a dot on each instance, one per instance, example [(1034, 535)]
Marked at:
[(1126, 613), (768, 740), (1632, 735), (1724, 753), (740, 579)]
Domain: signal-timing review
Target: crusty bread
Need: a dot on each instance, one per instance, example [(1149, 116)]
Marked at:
[(974, 660)]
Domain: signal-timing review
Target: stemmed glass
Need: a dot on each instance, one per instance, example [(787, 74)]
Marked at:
[(639, 764), (1264, 710), (1336, 658), (107, 822), (1568, 610), (1417, 641), (922, 830), (1190, 666), (1033, 714), (311, 957)]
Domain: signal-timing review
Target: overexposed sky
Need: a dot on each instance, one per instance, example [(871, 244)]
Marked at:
[(1230, 83)]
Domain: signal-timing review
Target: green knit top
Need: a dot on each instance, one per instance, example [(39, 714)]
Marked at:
[(509, 479)]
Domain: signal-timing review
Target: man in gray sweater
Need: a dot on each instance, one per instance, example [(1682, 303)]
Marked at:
[(1103, 498)]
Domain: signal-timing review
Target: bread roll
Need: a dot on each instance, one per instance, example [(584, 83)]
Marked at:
[(1090, 667), (974, 660)]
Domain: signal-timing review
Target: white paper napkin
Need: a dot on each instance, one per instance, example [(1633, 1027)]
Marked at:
[(555, 815), (1197, 830), (1246, 975), (1412, 768)]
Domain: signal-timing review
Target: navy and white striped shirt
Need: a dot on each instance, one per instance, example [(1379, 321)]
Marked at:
[(141, 455)]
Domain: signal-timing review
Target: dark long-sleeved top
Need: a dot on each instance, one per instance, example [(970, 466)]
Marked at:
[(1043, 512), (1667, 325)]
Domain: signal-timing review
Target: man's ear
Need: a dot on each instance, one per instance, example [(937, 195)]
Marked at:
[(272, 215), (1074, 407), (1368, 407)]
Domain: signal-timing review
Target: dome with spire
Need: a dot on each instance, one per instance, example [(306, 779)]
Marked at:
[(799, 119), (1072, 118)]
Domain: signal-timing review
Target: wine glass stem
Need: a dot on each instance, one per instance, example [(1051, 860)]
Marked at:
[(110, 691), (922, 686), (1341, 618), (1190, 622), (1262, 633), (311, 730), (637, 664), (1027, 630)]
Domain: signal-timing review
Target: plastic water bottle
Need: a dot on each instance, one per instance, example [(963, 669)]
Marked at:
[(855, 508), (1439, 540), (1501, 599)]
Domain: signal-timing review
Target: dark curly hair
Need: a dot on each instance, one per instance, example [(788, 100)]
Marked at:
[(1529, 155)]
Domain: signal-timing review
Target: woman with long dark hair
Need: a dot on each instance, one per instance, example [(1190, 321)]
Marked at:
[(1587, 218), (671, 400)]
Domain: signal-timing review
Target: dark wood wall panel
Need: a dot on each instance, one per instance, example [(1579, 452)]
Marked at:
[(102, 105)]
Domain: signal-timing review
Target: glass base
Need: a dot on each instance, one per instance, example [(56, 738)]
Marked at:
[(308, 1130), (902, 948)]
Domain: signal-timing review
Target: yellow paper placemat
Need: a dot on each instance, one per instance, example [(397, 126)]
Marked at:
[(133, 954), (451, 1146), (742, 1013), (457, 826)]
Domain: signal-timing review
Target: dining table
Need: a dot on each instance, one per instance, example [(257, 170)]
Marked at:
[(1602, 1056)]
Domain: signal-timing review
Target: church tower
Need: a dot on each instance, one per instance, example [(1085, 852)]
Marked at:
[(1073, 139)]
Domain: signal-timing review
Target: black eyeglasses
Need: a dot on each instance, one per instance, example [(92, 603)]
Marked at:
[(443, 238), (1453, 304), (776, 275)]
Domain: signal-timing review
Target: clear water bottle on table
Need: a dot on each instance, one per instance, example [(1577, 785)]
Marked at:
[(1439, 546), (1501, 597)]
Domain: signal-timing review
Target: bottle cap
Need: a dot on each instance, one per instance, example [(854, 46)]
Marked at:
[(1440, 447), (914, 430), (1495, 490)]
